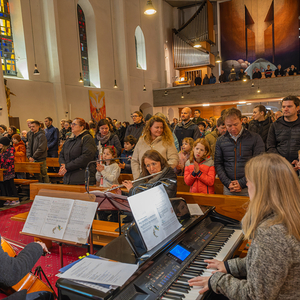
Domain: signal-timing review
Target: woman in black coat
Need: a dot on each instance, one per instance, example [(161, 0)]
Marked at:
[(105, 137), (76, 153)]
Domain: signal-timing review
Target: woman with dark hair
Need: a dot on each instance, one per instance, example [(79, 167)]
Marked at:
[(157, 136), (105, 137), (76, 153), (153, 162)]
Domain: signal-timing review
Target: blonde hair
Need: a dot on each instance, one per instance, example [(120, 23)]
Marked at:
[(203, 142), (214, 121), (276, 196), (167, 136)]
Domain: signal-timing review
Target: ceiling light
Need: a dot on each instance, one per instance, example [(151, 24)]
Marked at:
[(80, 78), (252, 85), (249, 103), (166, 93), (258, 90), (182, 96), (144, 89), (197, 46), (206, 104), (115, 85), (150, 10), (218, 59), (242, 102), (36, 71)]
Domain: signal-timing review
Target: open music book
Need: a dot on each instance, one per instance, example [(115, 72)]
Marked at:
[(60, 218)]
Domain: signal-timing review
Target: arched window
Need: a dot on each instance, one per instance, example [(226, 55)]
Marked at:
[(83, 46), (140, 49), (7, 51)]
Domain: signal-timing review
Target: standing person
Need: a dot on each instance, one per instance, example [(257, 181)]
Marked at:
[(268, 72), (3, 130), (52, 136), (186, 128), (279, 71), (105, 137), (284, 133), (63, 132), (175, 122), (20, 153), (201, 127), (292, 70), (198, 79), (200, 172), (278, 114), (125, 162), (137, 127), (197, 116), (37, 149), (256, 74), (206, 79), (271, 269), (222, 77), (214, 135), (24, 136), (184, 155), (121, 130), (260, 122), (156, 136), (212, 79), (108, 171), (233, 150), (7, 186), (11, 131), (76, 153)]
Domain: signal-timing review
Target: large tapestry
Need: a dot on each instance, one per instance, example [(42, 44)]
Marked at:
[(253, 29), (97, 105)]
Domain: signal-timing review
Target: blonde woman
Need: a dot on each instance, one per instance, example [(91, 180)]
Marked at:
[(271, 269), (156, 136)]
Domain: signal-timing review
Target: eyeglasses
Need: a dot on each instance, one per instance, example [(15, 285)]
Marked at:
[(134, 116), (74, 124)]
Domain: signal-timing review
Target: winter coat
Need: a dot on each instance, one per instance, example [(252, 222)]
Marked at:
[(20, 152), (37, 146), (52, 135), (262, 128), (167, 173), (169, 152), (203, 181), (231, 157), (110, 175), (284, 138), (112, 141), (13, 269), (212, 80), (126, 154), (7, 162), (186, 130), (212, 139), (135, 129), (271, 269), (76, 153)]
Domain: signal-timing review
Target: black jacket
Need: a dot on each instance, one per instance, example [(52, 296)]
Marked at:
[(135, 130), (231, 157), (262, 128), (167, 173), (76, 153), (188, 130), (112, 141), (284, 138)]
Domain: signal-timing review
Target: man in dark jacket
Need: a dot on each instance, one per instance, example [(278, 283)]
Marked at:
[(222, 77), (232, 152), (52, 136), (186, 128), (260, 124), (197, 116), (37, 149), (137, 127), (284, 133)]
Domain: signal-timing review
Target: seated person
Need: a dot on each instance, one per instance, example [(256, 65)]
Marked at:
[(268, 72), (271, 268), (292, 70), (125, 161), (256, 74), (279, 71), (153, 162)]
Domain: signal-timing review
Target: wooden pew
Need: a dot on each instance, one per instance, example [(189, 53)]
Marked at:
[(54, 163), (124, 176), (27, 167)]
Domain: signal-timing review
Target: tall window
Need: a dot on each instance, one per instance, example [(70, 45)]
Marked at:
[(6, 41), (83, 46), (140, 49)]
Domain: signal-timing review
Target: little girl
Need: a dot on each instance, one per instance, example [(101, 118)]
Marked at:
[(200, 172), (109, 173), (184, 155)]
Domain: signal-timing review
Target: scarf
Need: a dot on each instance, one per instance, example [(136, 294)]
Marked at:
[(103, 139)]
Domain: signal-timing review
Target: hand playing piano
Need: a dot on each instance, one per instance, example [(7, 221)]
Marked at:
[(216, 264), (200, 281)]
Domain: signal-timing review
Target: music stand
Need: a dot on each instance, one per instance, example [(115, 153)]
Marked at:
[(112, 202)]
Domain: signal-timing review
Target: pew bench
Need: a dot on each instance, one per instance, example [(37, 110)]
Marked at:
[(52, 162)]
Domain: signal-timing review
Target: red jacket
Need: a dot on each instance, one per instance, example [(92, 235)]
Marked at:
[(204, 181), (20, 152)]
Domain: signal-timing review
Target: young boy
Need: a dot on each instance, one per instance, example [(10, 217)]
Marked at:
[(202, 126), (129, 144)]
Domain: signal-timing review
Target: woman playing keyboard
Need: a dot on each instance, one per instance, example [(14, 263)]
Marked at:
[(271, 269)]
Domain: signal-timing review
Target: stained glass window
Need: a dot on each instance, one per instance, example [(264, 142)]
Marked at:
[(83, 46), (7, 51)]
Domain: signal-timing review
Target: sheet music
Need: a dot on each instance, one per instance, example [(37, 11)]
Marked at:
[(154, 215), (100, 271), (61, 218), (194, 209)]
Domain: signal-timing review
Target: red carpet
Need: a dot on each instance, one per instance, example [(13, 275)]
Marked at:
[(49, 263)]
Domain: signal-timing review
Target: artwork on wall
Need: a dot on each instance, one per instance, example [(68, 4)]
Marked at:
[(255, 29), (97, 105)]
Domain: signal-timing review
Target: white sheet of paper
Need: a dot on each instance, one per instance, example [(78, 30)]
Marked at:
[(154, 215), (80, 221), (195, 209), (100, 271)]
